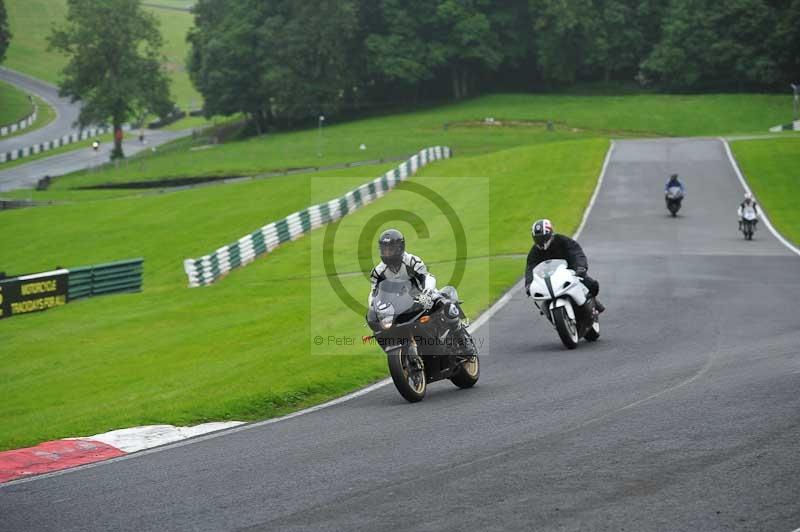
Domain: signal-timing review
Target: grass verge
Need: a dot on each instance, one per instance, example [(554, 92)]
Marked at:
[(14, 105), (44, 116), (772, 168)]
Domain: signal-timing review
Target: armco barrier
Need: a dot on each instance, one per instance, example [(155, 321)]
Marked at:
[(792, 126), (41, 291), (209, 268), (102, 279)]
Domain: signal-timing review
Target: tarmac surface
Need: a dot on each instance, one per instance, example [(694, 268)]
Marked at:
[(28, 174), (66, 112), (684, 416)]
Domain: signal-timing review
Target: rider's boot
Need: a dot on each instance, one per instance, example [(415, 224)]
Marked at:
[(599, 306)]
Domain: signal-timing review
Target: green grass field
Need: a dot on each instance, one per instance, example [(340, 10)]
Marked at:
[(523, 117), (32, 20), (772, 168), (14, 104)]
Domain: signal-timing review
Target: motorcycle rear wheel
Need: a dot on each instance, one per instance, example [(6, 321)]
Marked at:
[(409, 380), (593, 334), (567, 328)]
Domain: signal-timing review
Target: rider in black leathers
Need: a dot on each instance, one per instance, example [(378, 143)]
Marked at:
[(549, 245)]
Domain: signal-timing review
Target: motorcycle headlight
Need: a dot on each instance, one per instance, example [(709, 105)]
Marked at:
[(386, 321)]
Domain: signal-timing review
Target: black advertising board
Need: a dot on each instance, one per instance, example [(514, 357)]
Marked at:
[(32, 293)]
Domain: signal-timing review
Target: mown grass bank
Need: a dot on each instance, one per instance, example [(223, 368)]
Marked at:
[(13, 102), (14, 105), (772, 168)]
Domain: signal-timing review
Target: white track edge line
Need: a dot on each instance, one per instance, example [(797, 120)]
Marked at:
[(479, 322), (764, 216), (596, 192)]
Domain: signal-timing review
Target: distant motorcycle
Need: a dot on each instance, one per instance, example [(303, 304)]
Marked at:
[(561, 297), (674, 197), (748, 222), (416, 336)]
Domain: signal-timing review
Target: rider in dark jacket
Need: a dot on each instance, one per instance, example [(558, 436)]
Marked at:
[(674, 182), (549, 245)]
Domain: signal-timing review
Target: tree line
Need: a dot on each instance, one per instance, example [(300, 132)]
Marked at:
[(285, 60), (5, 33)]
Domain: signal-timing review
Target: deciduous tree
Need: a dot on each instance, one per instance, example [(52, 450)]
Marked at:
[(114, 66), (5, 33)]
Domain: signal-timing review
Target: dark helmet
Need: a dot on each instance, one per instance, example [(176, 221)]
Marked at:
[(542, 231), (392, 245)]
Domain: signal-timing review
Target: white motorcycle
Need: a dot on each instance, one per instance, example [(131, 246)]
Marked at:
[(561, 297), (747, 224), (674, 196)]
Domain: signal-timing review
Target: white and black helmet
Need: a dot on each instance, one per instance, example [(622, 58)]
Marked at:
[(542, 232)]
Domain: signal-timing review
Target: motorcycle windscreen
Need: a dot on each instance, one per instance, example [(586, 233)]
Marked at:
[(398, 294), (549, 267)]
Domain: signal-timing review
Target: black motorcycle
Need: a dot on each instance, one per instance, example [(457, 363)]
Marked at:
[(674, 197), (418, 337)]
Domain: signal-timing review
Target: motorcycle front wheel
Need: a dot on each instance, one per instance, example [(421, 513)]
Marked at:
[(566, 327), (408, 374), (468, 374)]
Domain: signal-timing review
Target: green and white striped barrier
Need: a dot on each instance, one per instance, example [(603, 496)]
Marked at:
[(209, 268), (793, 126), (75, 136)]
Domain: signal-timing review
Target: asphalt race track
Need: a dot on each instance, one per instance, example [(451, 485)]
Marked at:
[(684, 416), (28, 174), (66, 112)]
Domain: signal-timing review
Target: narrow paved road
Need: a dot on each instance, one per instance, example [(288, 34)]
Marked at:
[(67, 113), (684, 416)]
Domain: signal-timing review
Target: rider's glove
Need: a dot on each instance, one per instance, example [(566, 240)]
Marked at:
[(580, 271), (426, 298)]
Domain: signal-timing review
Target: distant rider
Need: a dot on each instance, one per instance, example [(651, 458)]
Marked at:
[(674, 182), (397, 265), (748, 202), (549, 245)]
